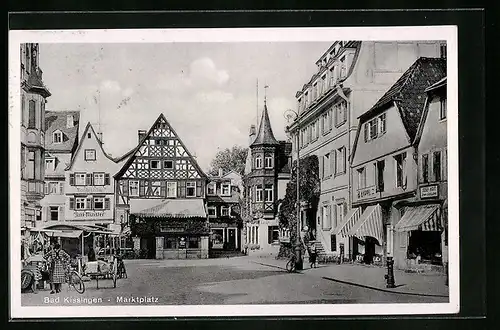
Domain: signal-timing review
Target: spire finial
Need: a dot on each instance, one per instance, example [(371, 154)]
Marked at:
[(265, 94)]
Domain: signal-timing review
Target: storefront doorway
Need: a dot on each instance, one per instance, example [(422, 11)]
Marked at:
[(148, 247), (426, 246), (369, 249), (231, 239)]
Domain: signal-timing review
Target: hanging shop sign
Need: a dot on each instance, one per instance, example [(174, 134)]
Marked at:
[(429, 191), (92, 189)]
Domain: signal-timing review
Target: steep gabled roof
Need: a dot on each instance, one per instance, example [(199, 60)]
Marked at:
[(87, 129), (265, 134), (56, 121), (408, 92), (131, 154)]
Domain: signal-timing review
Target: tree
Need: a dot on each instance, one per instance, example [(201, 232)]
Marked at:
[(310, 189), (233, 159)]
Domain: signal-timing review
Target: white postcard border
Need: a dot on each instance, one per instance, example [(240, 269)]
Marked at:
[(16, 37)]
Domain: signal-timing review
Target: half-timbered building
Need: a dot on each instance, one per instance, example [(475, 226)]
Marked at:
[(160, 192)]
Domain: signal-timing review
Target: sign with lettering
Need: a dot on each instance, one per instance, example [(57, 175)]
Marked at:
[(92, 189), (367, 192), (429, 191), (165, 229), (89, 214)]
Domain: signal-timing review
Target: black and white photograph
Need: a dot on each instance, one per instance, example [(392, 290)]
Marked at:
[(212, 172)]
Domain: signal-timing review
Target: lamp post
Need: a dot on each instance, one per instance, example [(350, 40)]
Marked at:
[(298, 248)]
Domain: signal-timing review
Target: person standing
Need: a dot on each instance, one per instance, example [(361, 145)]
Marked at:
[(91, 254), (313, 254), (58, 259)]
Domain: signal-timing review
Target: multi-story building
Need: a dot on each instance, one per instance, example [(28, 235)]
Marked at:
[(89, 188), (223, 201), (384, 161), (350, 77), (266, 175), (161, 189), (61, 141), (34, 95), (421, 239)]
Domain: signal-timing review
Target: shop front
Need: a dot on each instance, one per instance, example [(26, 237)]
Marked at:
[(169, 229), (366, 229), (422, 236)]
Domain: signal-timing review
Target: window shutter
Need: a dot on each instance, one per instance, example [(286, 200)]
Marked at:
[(47, 213), (61, 214), (61, 188), (333, 222), (89, 203), (46, 188), (141, 188), (124, 184), (71, 203), (88, 182), (163, 189), (321, 165), (106, 204), (181, 188), (106, 179), (333, 161), (199, 192), (72, 179), (366, 131)]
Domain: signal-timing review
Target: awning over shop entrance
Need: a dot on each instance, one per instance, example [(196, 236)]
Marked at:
[(351, 218), (61, 233), (168, 208), (369, 224), (422, 217)]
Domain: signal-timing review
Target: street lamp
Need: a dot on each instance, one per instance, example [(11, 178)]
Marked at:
[(298, 248)]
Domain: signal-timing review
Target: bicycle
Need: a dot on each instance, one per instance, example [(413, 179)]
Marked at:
[(122, 272), (75, 280), (291, 264)]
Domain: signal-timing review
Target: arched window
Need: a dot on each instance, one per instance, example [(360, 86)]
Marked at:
[(57, 137)]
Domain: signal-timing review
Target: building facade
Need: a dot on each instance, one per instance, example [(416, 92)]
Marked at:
[(160, 193), (423, 229), (350, 77), (384, 163), (61, 141), (89, 184), (223, 204), (266, 175), (34, 96)]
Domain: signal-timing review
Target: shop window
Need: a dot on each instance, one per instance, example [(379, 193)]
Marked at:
[(170, 243), (218, 237), (425, 246), (193, 243)]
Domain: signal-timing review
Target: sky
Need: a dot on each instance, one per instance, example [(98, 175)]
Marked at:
[(207, 91)]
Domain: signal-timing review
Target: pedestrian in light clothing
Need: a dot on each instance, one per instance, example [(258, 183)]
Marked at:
[(58, 260)]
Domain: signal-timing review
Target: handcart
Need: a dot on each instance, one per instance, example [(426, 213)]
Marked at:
[(102, 270)]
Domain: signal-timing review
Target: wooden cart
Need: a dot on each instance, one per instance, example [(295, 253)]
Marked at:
[(102, 270)]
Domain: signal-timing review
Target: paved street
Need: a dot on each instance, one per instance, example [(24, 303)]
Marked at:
[(245, 280)]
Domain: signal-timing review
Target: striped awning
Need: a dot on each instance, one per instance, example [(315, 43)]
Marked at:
[(351, 218), (369, 224), (422, 217)]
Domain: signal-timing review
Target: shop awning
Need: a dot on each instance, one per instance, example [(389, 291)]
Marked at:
[(62, 233), (351, 218), (168, 208), (422, 217), (369, 224)]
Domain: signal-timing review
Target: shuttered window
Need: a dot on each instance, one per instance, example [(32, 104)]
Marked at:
[(107, 179), (88, 180), (142, 189), (71, 203), (90, 204), (107, 203)]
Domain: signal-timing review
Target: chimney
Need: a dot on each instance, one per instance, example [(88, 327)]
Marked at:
[(252, 134), (141, 134), (69, 121), (221, 172)]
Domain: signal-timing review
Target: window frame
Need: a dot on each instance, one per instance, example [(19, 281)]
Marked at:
[(214, 185), (258, 162), (151, 164), (268, 162), (130, 188), (58, 134), (52, 212), (361, 177), (400, 183), (443, 110), (191, 185), (342, 152), (78, 199), (50, 160), (95, 176), (95, 200), (81, 175), (168, 187), (214, 208), (437, 167), (269, 192), (259, 195), (224, 208), (167, 167), (86, 155), (225, 185)]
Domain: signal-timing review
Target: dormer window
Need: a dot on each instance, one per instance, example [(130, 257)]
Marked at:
[(226, 189), (211, 189), (57, 137), (50, 164)]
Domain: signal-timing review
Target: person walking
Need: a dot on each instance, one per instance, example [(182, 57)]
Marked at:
[(313, 254), (58, 259)]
